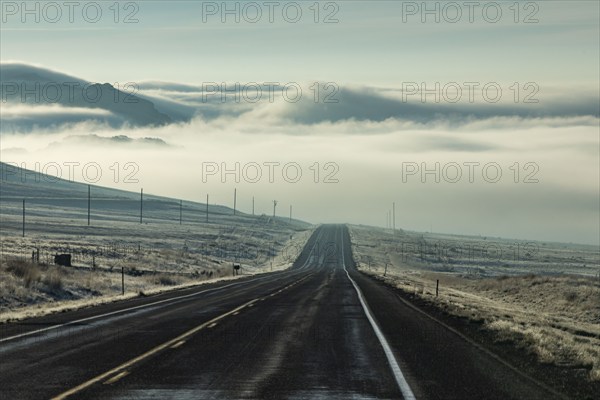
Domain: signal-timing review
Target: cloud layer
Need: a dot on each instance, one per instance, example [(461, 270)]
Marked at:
[(353, 156), (154, 103)]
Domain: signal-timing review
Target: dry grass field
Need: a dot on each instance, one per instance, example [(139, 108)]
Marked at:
[(153, 257), (157, 243), (553, 315)]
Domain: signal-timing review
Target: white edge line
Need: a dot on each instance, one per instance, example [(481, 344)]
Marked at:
[(407, 392)]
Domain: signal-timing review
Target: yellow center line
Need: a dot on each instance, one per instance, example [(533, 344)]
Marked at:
[(147, 354), (176, 345), (116, 378), (121, 368)]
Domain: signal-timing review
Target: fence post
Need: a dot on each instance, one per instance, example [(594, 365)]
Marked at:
[(122, 280), (437, 287)]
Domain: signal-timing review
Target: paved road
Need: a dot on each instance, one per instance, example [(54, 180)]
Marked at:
[(319, 330)]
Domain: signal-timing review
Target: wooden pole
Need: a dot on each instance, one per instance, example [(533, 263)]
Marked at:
[(207, 208), (89, 202), (437, 287), (23, 217), (122, 280), (141, 204), (180, 211), (234, 200)]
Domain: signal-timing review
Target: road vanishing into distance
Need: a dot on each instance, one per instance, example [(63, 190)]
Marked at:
[(319, 330)]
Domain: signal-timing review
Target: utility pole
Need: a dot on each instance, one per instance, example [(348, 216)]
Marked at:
[(290, 213), (394, 216), (141, 204), (89, 202), (274, 206), (234, 200), (23, 217), (253, 206), (207, 207), (180, 211)]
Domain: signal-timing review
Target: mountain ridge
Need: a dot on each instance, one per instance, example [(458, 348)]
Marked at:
[(26, 84)]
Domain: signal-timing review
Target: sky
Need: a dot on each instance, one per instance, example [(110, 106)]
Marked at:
[(542, 134)]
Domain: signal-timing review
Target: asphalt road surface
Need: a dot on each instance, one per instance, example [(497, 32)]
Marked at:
[(320, 330)]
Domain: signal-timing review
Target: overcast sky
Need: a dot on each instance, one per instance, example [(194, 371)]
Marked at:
[(371, 136)]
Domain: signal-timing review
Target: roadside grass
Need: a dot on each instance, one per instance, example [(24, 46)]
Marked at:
[(31, 290), (29, 272), (78, 290), (163, 279), (53, 279), (554, 317)]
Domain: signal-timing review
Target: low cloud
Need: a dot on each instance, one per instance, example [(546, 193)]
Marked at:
[(368, 137), (121, 140), (24, 118), (161, 102)]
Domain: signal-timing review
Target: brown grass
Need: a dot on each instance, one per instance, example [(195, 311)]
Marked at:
[(53, 280), (29, 272), (554, 317), (164, 279)]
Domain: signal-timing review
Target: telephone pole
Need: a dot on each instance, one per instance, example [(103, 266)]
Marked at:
[(23, 217), (207, 207), (89, 202), (141, 205), (394, 216), (274, 206), (290, 213), (234, 200), (253, 206), (180, 211)]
